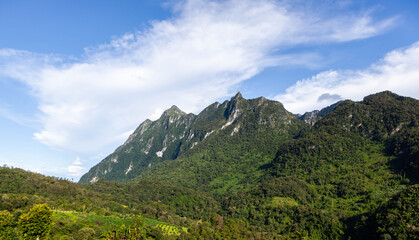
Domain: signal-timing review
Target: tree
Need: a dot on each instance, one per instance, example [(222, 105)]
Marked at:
[(6, 225), (36, 223)]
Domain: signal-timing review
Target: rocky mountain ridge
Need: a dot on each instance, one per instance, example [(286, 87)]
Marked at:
[(251, 130), (176, 133)]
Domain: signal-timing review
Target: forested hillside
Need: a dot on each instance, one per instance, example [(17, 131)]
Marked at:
[(245, 169), (73, 211)]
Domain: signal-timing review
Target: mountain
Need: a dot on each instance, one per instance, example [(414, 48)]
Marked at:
[(249, 169), (283, 175), (237, 122), (378, 117), (356, 138)]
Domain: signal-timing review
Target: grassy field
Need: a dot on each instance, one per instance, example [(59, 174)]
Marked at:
[(113, 222)]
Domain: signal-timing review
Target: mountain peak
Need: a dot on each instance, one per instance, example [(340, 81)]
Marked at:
[(379, 98), (237, 96), (174, 110)]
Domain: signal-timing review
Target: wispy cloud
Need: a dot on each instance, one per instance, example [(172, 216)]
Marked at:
[(5, 112), (90, 104), (48, 171), (76, 169), (398, 71)]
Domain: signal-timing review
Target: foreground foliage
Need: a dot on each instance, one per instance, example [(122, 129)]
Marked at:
[(36, 223)]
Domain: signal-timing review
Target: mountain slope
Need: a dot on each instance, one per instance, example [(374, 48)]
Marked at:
[(176, 134), (235, 155), (377, 117), (316, 182), (93, 211), (351, 157), (251, 165), (325, 182)]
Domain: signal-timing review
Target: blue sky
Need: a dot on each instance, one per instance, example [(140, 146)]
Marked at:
[(77, 77)]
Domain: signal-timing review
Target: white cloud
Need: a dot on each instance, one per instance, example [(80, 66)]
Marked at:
[(77, 161), (75, 170), (37, 168), (88, 105), (156, 114), (6, 113), (398, 71)]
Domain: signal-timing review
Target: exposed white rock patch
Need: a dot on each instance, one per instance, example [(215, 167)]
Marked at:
[(149, 145), (231, 119), (261, 101), (174, 118), (397, 129), (141, 129), (227, 124), (191, 136), (129, 150), (208, 134), (235, 130), (115, 159), (129, 169), (166, 138), (94, 180), (160, 153), (149, 165), (144, 127), (193, 144)]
